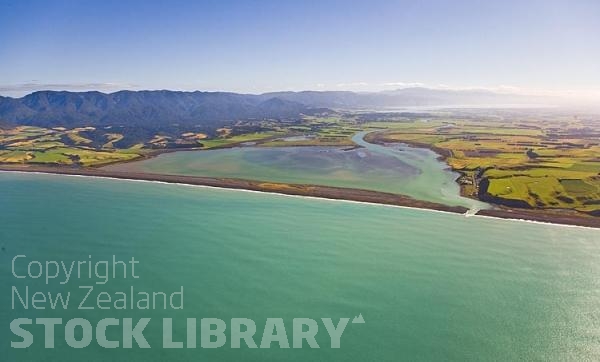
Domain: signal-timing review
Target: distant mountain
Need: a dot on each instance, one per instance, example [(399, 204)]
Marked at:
[(152, 108), (406, 97), (148, 108)]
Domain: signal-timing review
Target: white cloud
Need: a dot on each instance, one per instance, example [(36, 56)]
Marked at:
[(587, 95), (352, 84), (32, 86), (402, 84)]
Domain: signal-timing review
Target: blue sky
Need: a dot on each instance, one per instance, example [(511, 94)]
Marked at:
[(257, 46)]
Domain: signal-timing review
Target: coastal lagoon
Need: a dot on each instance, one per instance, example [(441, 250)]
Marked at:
[(430, 285), (396, 168)]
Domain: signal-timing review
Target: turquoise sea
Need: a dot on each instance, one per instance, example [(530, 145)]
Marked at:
[(430, 285)]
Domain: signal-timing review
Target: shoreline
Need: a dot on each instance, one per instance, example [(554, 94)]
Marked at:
[(552, 216), (323, 192), (317, 191)]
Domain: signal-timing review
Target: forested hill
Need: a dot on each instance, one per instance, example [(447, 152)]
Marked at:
[(153, 108), (148, 108)]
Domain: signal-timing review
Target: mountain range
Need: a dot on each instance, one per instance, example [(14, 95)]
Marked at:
[(161, 107)]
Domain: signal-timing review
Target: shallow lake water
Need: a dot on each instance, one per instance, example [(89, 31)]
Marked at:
[(396, 168)]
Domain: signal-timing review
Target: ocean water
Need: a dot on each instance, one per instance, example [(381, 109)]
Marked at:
[(430, 285), (398, 169)]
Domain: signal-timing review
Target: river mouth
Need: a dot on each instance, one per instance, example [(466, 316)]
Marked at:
[(398, 169)]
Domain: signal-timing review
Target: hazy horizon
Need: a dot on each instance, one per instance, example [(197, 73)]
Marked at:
[(532, 47)]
